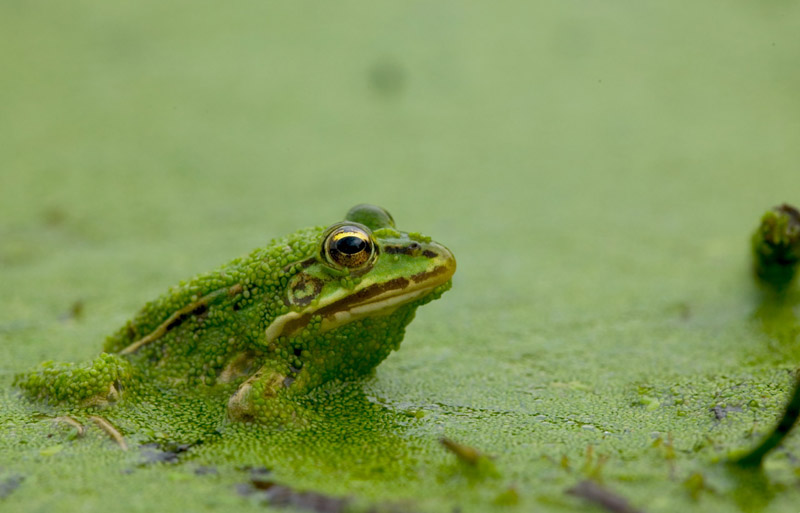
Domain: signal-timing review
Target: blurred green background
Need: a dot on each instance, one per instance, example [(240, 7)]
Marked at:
[(596, 167)]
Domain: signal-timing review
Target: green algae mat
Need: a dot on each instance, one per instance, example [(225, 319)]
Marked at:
[(597, 171)]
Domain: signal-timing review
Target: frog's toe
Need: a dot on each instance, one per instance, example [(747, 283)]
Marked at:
[(96, 383)]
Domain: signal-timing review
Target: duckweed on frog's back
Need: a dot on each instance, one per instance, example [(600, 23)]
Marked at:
[(318, 305)]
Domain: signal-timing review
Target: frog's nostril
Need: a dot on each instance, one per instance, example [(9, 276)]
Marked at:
[(414, 246)]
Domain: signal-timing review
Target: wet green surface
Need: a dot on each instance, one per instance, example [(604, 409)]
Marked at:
[(596, 169)]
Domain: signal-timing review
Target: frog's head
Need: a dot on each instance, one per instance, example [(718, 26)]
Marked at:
[(362, 267)]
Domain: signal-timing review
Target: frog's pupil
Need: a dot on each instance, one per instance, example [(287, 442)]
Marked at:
[(351, 245)]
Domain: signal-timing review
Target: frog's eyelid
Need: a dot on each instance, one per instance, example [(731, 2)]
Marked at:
[(349, 233)]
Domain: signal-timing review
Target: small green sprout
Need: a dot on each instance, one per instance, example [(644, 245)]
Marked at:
[(474, 461), (776, 247)]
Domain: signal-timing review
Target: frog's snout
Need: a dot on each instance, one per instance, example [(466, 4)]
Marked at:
[(445, 258), (442, 264)]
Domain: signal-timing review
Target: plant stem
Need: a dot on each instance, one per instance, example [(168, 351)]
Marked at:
[(756, 456)]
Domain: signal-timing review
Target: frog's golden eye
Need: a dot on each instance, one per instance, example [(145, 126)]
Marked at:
[(348, 246)]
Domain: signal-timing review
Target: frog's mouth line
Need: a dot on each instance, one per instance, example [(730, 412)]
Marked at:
[(377, 299)]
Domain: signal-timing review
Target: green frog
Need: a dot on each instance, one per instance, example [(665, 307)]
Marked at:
[(322, 304)]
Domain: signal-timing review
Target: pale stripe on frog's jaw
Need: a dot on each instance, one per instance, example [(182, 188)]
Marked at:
[(372, 299)]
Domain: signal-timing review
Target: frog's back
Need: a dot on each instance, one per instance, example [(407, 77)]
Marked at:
[(155, 313), (228, 286)]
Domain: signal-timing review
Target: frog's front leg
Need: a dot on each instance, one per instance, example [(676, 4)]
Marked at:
[(268, 396)]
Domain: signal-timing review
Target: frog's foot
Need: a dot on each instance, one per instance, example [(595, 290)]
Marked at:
[(264, 398), (96, 383)]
